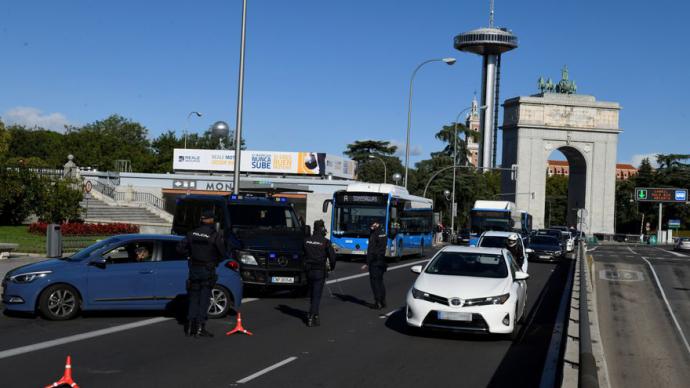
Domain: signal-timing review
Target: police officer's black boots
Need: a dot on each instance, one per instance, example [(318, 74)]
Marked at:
[(310, 320), (317, 321), (191, 328), (203, 332)]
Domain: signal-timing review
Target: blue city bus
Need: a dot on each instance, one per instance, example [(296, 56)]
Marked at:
[(406, 219), (493, 215)]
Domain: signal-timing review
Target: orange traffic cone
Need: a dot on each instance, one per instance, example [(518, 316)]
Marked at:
[(238, 327), (66, 379)]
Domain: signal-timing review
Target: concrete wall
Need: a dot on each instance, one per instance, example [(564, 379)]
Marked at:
[(587, 132)]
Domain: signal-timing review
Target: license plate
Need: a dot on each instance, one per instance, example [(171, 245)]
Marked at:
[(544, 256), (454, 316), (358, 252), (280, 279)]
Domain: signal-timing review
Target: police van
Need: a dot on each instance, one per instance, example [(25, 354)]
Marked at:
[(263, 234)]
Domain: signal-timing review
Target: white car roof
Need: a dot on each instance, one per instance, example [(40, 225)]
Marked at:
[(496, 233), (458, 248)]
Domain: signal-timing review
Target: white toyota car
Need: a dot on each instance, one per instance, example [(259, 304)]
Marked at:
[(468, 289)]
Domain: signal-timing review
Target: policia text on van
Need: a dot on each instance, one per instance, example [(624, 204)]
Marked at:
[(262, 233)]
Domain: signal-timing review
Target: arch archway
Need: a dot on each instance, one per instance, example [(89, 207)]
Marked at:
[(565, 186)]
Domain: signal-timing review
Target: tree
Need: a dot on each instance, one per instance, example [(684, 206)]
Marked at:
[(556, 200), (371, 170), (22, 193), (5, 139), (101, 143), (60, 202), (163, 149), (447, 134), (36, 144)]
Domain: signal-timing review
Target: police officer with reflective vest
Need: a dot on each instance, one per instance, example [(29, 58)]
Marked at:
[(205, 248), (319, 260), (376, 262)]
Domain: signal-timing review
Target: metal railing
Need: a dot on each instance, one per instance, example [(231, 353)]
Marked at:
[(587, 372), (104, 187), (138, 196)]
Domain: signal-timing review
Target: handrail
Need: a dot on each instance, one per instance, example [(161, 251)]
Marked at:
[(587, 373)]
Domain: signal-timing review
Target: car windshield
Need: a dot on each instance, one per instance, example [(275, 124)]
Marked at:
[(469, 264), (262, 217), (86, 252), (354, 221), (544, 240), (493, 242)]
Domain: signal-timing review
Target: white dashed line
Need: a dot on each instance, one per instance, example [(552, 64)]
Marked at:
[(673, 253), (266, 370)]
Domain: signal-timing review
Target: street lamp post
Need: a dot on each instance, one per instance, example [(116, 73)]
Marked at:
[(240, 100), (448, 61), (385, 172), (186, 129), (455, 162), (397, 177)]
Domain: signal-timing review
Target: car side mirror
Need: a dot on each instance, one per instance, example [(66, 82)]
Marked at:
[(99, 262), (529, 250), (416, 269), (519, 275)]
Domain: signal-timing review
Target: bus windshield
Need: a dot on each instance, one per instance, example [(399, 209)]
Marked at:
[(355, 220), (482, 221)]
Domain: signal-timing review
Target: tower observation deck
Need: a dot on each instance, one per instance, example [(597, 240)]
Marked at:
[(490, 43)]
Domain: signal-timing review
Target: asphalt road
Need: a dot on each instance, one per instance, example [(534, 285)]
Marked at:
[(643, 302), (355, 346)]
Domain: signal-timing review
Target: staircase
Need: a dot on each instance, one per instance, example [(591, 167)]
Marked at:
[(95, 210)]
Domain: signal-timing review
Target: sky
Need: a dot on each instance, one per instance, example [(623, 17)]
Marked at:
[(321, 74)]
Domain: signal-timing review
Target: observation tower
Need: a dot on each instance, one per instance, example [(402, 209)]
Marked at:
[(489, 42)]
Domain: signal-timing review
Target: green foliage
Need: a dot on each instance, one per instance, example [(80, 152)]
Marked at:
[(371, 170), (5, 138), (22, 193), (447, 134), (163, 147), (556, 200), (37, 147), (60, 201)]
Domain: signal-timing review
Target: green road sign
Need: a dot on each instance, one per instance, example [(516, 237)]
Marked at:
[(663, 194), (641, 194)]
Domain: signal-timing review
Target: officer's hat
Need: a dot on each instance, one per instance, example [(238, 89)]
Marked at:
[(207, 215), (318, 224)]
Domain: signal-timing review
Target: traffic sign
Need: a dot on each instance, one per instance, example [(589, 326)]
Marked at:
[(667, 194), (674, 224)]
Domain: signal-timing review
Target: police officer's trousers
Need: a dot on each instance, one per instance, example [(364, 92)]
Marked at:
[(316, 279), (201, 281), (376, 278)]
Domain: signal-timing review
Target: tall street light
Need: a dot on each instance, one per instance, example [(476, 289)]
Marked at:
[(448, 61), (455, 162), (385, 172), (186, 129), (240, 99)]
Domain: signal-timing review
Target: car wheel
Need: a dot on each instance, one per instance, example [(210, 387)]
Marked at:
[(514, 334), (221, 302), (59, 302)]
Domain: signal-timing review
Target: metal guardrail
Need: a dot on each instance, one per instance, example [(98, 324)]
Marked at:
[(587, 372), (105, 188), (138, 196)]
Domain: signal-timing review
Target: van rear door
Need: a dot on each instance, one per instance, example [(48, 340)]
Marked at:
[(188, 213)]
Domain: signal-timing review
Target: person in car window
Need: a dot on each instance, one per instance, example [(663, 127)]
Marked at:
[(515, 249), (142, 254)]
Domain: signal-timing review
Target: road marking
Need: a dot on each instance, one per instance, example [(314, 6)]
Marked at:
[(266, 370), (630, 249), (79, 337), (674, 253), (382, 316), (668, 305), (592, 250), (621, 275), (361, 275)]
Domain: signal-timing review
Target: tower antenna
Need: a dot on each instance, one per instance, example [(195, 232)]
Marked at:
[(491, 14)]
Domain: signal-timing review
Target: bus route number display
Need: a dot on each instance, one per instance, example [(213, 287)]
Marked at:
[(363, 199)]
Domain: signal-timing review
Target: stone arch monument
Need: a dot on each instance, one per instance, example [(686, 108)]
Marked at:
[(585, 131)]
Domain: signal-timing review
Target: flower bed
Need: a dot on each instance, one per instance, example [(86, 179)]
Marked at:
[(81, 229)]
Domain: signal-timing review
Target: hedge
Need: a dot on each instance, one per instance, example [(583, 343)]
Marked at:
[(82, 229)]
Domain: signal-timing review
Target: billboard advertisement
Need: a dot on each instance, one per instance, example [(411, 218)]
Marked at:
[(273, 162)]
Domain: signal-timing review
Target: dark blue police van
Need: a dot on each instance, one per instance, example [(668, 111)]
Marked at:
[(263, 234)]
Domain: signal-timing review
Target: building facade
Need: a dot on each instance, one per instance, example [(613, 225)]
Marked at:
[(560, 167)]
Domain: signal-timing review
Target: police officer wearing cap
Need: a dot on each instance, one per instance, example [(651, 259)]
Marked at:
[(515, 249), (376, 262), (319, 260), (205, 248)]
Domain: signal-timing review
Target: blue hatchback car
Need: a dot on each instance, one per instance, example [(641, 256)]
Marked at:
[(126, 272)]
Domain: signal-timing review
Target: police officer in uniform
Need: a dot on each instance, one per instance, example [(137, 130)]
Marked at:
[(515, 249), (205, 248), (319, 259), (376, 262)]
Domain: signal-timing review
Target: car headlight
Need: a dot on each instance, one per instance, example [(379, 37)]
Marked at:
[(29, 276), (417, 294), (247, 258), (500, 299)]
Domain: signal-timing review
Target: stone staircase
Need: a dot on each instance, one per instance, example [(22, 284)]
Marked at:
[(95, 210)]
